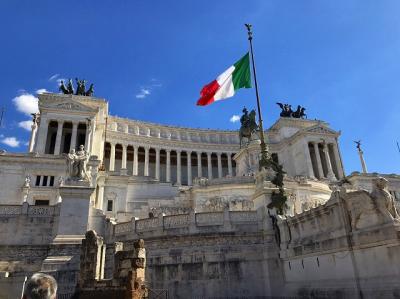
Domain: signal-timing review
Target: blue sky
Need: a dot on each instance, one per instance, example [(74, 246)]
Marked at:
[(150, 59)]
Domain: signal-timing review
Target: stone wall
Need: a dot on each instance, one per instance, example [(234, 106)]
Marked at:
[(345, 248), (203, 255), (25, 224)]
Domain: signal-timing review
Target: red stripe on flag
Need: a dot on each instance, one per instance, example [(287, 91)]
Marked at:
[(207, 93)]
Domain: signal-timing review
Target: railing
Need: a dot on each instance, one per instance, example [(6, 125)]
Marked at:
[(25, 209), (41, 210), (176, 221), (199, 220), (10, 210)]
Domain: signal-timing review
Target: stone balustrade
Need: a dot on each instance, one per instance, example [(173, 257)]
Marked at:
[(185, 222), (26, 209), (173, 133), (10, 210)]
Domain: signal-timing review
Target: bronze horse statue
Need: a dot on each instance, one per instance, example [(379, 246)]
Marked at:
[(249, 125)]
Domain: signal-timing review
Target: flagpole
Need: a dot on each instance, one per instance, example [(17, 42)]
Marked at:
[(264, 148)]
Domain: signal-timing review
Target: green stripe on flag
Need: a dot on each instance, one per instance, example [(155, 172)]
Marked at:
[(241, 75)]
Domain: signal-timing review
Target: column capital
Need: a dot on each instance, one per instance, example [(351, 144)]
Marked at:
[(189, 152), (209, 154)]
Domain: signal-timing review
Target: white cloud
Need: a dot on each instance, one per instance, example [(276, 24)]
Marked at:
[(41, 90), (26, 124), (26, 103), (147, 89), (11, 141), (54, 77), (234, 118), (144, 92)]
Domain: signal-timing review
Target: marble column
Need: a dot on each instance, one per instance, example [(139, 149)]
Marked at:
[(146, 161), (88, 135), (219, 165), (199, 166), (168, 174), (157, 164), (209, 166), (338, 161), (112, 157), (73, 136), (230, 171), (189, 168), (33, 137), (178, 168), (363, 165), (124, 156), (42, 136), (57, 148), (100, 195), (319, 163), (310, 170), (331, 175), (135, 169)]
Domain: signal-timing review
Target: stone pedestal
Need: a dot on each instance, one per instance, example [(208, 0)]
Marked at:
[(74, 213), (247, 159)]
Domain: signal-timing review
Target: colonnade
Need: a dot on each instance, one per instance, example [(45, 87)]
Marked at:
[(59, 136), (324, 161), (166, 159)]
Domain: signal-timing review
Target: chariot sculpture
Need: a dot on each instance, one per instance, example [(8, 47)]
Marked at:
[(80, 88)]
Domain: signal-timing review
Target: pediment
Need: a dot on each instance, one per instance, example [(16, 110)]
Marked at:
[(320, 130), (67, 105)]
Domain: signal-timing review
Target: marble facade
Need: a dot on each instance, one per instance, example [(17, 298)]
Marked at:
[(193, 195)]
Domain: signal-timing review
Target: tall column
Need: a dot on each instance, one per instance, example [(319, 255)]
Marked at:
[(168, 174), (100, 195), (157, 164), (229, 155), (189, 168), (219, 165), (319, 163), (88, 135), (135, 169), (146, 161), (57, 148), (363, 165), (331, 175), (124, 156), (178, 168), (199, 170), (73, 136), (338, 161), (310, 170), (209, 166), (112, 157), (33, 136), (42, 136)]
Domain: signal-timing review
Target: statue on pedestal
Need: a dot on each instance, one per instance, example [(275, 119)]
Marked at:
[(76, 164), (249, 125)]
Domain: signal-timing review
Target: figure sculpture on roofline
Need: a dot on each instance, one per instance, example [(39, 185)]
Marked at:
[(80, 88)]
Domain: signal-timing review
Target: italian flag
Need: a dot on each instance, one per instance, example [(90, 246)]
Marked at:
[(235, 77)]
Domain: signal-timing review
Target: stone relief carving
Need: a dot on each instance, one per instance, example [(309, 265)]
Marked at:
[(233, 203), (202, 181), (370, 209)]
